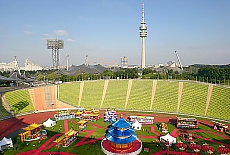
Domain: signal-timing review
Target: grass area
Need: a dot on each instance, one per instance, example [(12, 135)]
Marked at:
[(146, 131), (69, 92), (88, 149), (19, 101)]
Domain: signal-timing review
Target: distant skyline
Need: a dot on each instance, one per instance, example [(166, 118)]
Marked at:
[(106, 31)]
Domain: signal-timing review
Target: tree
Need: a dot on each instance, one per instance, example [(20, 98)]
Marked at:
[(131, 73), (147, 71)]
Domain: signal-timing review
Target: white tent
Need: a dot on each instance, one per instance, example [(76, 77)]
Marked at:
[(49, 123), (5, 143), (137, 125), (169, 138)]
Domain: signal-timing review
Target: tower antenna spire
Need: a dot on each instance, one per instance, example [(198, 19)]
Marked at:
[(143, 35), (143, 12)]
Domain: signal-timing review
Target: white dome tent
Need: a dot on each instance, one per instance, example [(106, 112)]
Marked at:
[(49, 123), (169, 138), (137, 125), (6, 143)]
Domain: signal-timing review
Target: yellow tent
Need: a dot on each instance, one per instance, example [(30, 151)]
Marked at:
[(32, 127)]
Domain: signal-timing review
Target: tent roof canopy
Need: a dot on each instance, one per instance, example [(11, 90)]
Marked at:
[(32, 127)]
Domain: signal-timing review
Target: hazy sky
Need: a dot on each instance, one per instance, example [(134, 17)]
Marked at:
[(107, 30)]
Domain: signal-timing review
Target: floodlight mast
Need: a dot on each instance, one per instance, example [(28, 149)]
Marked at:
[(55, 45)]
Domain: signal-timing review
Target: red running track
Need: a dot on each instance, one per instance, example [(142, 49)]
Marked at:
[(13, 124)]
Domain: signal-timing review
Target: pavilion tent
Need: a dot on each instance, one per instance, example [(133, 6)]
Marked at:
[(49, 123), (5, 143), (137, 125), (169, 138)]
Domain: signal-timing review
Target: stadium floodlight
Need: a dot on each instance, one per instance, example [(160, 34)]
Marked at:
[(55, 45)]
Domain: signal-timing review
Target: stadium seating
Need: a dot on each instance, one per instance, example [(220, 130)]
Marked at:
[(194, 98), (140, 95), (116, 94), (38, 98), (69, 93), (166, 96), (3, 112), (44, 98), (219, 106), (19, 101), (92, 94)]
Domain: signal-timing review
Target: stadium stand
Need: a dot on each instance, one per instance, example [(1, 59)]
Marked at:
[(140, 95), (3, 112), (19, 101), (166, 96), (104, 92), (69, 93), (210, 88), (179, 95), (116, 94), (48, 97), (128, 92), (153, 93), (194, 98), (92, 94), (219, 106), (39, 99), (56, 104)]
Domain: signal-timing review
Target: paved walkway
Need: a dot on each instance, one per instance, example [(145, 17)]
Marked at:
[(66, 127), (153, 131), (174, 133)]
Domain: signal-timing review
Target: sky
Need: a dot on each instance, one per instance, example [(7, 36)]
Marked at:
[(107, 30)]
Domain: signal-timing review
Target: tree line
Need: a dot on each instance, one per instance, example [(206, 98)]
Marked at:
[(217, 74)]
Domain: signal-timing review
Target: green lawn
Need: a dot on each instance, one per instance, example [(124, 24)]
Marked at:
[(88, 149)]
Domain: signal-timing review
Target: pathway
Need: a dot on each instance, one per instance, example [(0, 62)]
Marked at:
[(153, 131)]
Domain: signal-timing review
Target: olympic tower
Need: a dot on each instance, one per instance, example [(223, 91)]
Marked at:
[(143, 35)]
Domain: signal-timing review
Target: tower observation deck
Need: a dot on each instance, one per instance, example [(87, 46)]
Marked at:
[(143, 35)]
